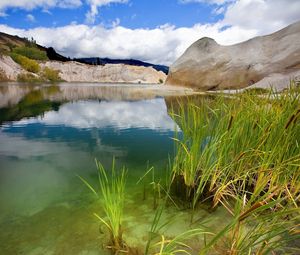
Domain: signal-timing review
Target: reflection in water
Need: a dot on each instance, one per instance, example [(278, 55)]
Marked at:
[(148, 114), (44, 207)]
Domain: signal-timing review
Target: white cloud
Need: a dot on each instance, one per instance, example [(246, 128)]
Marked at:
[(159, 45), (30, 18), (95, 4), (265, 16), (116, 22), (32, 4)]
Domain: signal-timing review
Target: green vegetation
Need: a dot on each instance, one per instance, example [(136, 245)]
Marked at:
[(29, 77), (33, 104), (241, 153), (112, 190), (51, 75), (160, 81), (29, 65), (31, 52)]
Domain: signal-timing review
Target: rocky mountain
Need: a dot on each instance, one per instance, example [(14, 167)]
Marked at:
[(206, 65)]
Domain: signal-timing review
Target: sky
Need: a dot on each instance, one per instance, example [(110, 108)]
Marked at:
[(156, 31)]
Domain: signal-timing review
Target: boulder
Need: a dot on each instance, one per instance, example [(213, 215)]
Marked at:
[(206, 65)]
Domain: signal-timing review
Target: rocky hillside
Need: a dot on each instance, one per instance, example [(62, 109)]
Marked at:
[(109, 73), (206, 65), (24, 60)]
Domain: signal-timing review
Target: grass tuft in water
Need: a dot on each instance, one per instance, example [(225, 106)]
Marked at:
[(112, 195)]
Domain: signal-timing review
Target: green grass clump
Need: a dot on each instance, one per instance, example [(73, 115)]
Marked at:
[(51, 75), (29, 65), (30, 52), (112, 193)]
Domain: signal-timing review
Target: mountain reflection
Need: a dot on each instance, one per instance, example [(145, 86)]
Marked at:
[(122, 106)]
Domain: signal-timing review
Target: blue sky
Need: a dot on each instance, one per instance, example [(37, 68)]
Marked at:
[(133, 14), (157, 31)]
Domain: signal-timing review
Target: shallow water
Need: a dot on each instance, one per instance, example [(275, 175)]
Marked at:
[(51, 134)]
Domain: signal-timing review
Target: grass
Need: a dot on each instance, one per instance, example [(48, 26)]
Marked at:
[(241, 153), (112, 192), (28, 64), (51, 75), (241, 141), (31, 52)]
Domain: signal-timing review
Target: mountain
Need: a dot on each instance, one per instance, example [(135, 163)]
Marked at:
[(262, 61), (132, 62)]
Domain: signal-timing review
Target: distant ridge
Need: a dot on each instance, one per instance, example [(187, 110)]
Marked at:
[(132, 62)]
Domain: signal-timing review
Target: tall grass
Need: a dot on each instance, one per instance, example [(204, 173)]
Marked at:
[(112, 191), (243, 152), (238, 141)]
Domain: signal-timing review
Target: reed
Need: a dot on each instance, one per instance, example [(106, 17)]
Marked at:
[(243, 153), (237, 140), (112, 194)]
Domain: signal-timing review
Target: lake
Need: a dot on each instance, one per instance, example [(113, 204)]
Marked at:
[(50, 135)]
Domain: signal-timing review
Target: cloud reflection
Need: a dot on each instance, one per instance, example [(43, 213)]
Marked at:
[(148, 114)]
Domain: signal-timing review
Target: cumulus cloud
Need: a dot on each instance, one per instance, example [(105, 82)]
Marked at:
[(265, 16), (95, 4), (159, 45), (32, 4), (47, 4)]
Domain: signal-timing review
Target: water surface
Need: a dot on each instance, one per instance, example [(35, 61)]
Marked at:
[(49, 135)]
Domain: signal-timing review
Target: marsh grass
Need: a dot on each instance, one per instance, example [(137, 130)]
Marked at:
[(112, 195), (238, 141), (243, 153)]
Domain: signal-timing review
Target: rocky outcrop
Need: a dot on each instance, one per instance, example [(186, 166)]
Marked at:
[(77, 72), (110, 73), (206, 65), (9, 70)]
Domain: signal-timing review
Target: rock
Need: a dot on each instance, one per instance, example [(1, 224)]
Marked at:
[(9, 69), (109, 73), (206, 65), (77, 72)]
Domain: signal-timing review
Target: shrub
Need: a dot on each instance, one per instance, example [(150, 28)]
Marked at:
[(29, 65), (30, 52), (161, 81), (29, 77), (51, 74)]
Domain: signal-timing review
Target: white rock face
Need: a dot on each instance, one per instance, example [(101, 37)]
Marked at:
[(207, 65), (110, 73), (9, 68), (77, 72)]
